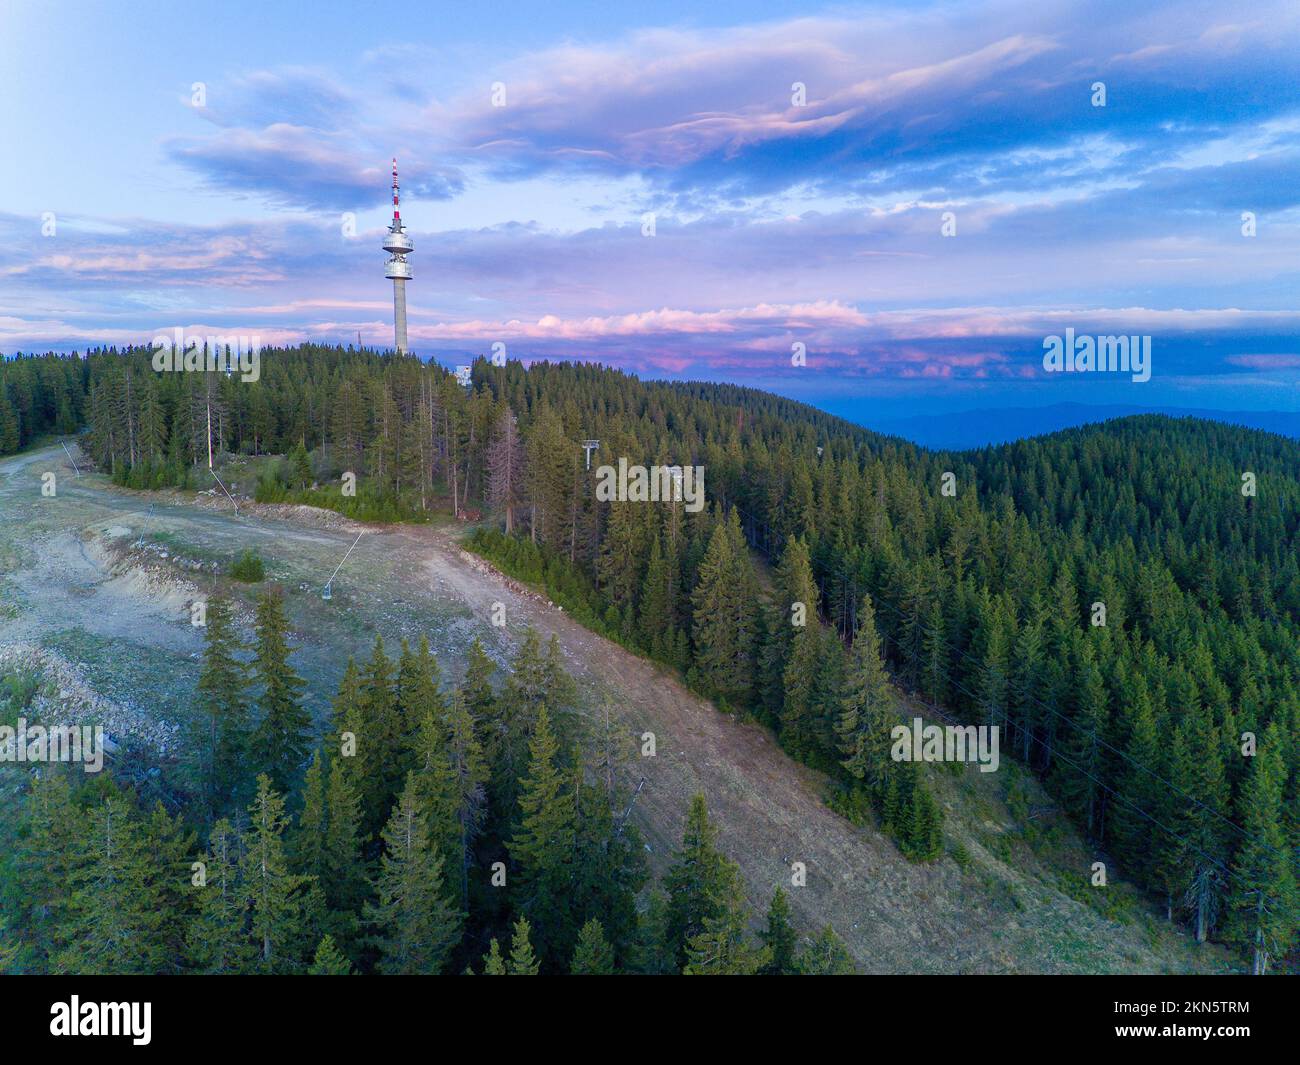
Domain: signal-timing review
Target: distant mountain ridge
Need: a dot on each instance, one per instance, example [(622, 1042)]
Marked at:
[(961, 430)]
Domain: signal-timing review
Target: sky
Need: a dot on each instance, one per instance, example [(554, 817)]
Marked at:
[(912, 195)]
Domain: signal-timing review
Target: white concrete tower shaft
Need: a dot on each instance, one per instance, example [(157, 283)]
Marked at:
[(399, 246)]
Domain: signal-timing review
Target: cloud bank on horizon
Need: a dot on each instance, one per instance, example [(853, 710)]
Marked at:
[(801, 175)]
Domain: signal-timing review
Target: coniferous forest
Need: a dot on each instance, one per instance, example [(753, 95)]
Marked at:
[(1121, 601)]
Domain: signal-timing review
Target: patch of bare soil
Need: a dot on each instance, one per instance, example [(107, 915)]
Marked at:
[(72, 701)]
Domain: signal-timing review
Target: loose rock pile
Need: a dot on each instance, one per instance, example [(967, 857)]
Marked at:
[(75, 702)]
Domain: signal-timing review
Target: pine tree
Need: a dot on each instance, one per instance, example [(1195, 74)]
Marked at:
[(593, 955), (416, 929), (279, 744)]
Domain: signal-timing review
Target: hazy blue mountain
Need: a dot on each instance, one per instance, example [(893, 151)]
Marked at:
[(975, 428)]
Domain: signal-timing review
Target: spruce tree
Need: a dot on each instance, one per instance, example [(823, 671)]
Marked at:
[(279, 743), (608, 868), (418, 688), (799, 630), (1200, 826), (523, 962), (329, 960), (542, 848), (725, 605), (934, 657), (722, 947), (416, 929), (9, 426), (493, 963), (55, 848), (867, 706), (476, 689), (593, 956), (217, 942), (469, 778), (1139, 790), (307, 840), (780, 937), (694, 881), (1081, 772), (509, 723), (273, 891), (826, 955), (656, 622), (223, 713), (300, 467), (383, 729), (345, 870), (652, 953), (114, 921), (1264, 900)]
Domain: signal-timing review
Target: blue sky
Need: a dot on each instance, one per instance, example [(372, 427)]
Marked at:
[(777, 221)]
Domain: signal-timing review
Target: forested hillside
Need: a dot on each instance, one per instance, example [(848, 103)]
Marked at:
[(1123, 601)]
